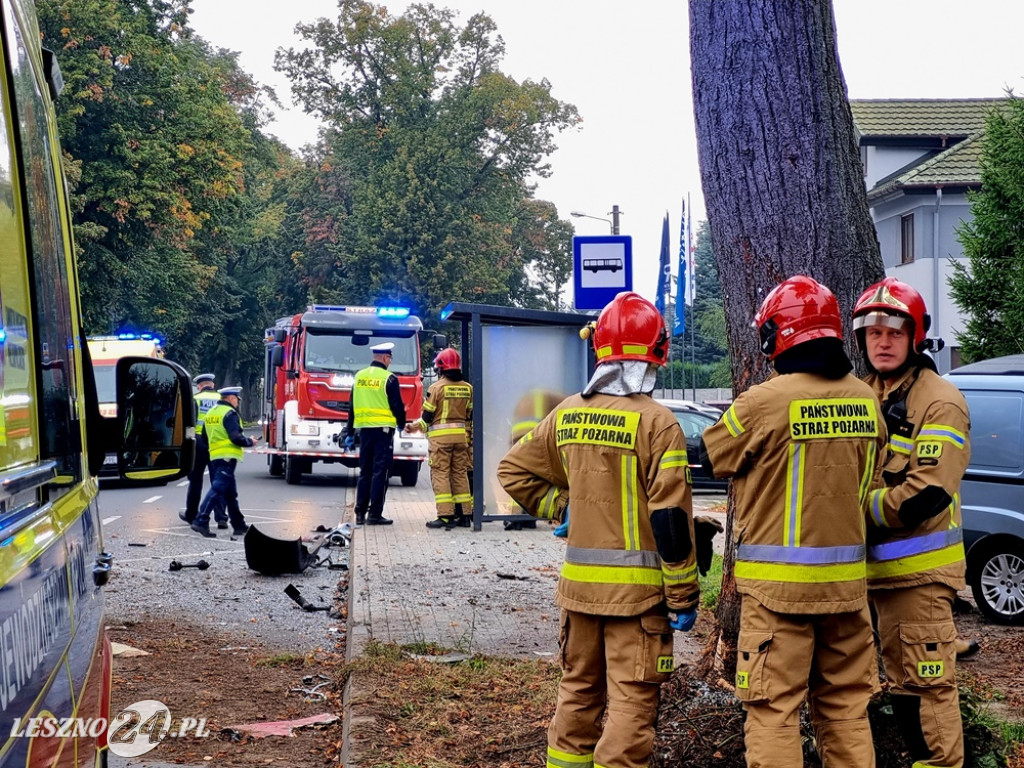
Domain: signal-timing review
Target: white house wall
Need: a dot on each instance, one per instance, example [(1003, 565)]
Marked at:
[(927, 274), (880, 162)]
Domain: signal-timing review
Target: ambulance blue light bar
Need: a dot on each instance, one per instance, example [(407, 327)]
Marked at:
[(128, 336)]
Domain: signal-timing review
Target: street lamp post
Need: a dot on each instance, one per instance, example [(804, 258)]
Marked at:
[(613, 221)]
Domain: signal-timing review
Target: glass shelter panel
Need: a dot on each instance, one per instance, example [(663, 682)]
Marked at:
[(523, 370)]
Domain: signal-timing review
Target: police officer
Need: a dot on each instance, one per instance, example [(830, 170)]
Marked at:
[(447, 413), (205, 398), (801, 449), (377, 411), (916, 557), (223, 430), (630, 576)]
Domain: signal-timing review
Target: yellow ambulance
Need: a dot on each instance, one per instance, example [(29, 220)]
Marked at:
[(54, 657)]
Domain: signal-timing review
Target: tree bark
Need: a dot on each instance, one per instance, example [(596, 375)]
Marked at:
[(782, 178)]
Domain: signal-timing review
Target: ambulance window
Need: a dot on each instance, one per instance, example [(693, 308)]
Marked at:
[(55, 329)]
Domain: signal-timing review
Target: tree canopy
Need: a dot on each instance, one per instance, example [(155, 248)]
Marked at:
[(191, 222), (437, 149)]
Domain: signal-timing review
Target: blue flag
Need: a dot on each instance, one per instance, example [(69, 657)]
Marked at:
[(679, 327), (665, 273)]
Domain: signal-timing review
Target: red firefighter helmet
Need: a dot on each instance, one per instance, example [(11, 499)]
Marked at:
[(797, 310), (631, 328), (447, 360), (888, 300)]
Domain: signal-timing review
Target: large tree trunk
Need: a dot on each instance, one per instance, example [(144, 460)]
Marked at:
[(782, 178)]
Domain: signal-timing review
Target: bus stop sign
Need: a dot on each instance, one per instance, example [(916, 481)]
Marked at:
[(602, 268)]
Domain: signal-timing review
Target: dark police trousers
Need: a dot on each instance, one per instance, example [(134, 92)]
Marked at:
[(195, 480), (376, 451), (223, 494)]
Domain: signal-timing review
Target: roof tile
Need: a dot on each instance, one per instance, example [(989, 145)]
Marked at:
[(921, 118)]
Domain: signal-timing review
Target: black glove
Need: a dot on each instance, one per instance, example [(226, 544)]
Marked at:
[(705, 528)]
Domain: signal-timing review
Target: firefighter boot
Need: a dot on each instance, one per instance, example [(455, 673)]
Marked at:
[(965, 648), (442, 522)]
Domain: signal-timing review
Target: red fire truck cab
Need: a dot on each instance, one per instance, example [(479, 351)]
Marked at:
[(311, 362)]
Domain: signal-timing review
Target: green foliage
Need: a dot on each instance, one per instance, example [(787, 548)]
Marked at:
[(990, 291), (189, 221), (434, 147), (711, 584), (157, 152), (680, 375)]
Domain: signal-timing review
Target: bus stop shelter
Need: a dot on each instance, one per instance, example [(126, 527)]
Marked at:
[(510, 356)]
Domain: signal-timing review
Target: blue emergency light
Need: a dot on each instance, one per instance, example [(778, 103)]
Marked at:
[(394, 313), (129, 336)]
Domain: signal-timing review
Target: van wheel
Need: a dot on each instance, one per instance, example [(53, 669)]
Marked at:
[(410, 473), (293, 470), (276, 463), (998, 583)]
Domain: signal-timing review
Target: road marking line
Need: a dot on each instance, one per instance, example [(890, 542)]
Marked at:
[(109, 520), (182, 484), (151, 499)]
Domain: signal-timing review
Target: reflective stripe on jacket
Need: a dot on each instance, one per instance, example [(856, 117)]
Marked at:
[(205, 400), (802, 450), (613, 461), (930, 446), (221, 444), (370, 407), (447, 411)]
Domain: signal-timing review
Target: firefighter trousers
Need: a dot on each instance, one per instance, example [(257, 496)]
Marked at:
[(918, 639), (829, 659), (614, 666), (449, 476)]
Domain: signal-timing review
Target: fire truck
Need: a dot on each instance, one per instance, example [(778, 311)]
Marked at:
[(311, 362), (53, 567)]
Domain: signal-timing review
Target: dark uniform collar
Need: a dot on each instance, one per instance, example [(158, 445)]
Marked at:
[(378, 365)]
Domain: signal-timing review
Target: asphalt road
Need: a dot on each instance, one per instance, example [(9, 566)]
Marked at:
[(142, 531)]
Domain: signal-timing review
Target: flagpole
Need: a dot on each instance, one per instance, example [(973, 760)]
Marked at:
[(690, 289)]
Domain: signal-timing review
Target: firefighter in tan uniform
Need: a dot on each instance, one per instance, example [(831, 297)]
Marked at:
[(802, 448), (916, 552), (530, 409), (447, 414), (630, 576)]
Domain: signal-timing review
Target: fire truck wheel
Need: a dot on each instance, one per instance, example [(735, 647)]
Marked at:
[(276, 464), (410, 473), (293, 470)]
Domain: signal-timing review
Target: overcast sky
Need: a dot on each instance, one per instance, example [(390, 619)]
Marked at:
[(626, 68)]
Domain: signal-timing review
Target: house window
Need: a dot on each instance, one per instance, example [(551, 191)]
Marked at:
[(955, 358), (907, 238)]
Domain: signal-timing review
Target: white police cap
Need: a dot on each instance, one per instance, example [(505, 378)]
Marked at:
[(225, 391), (204, 377), (383, 349)]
